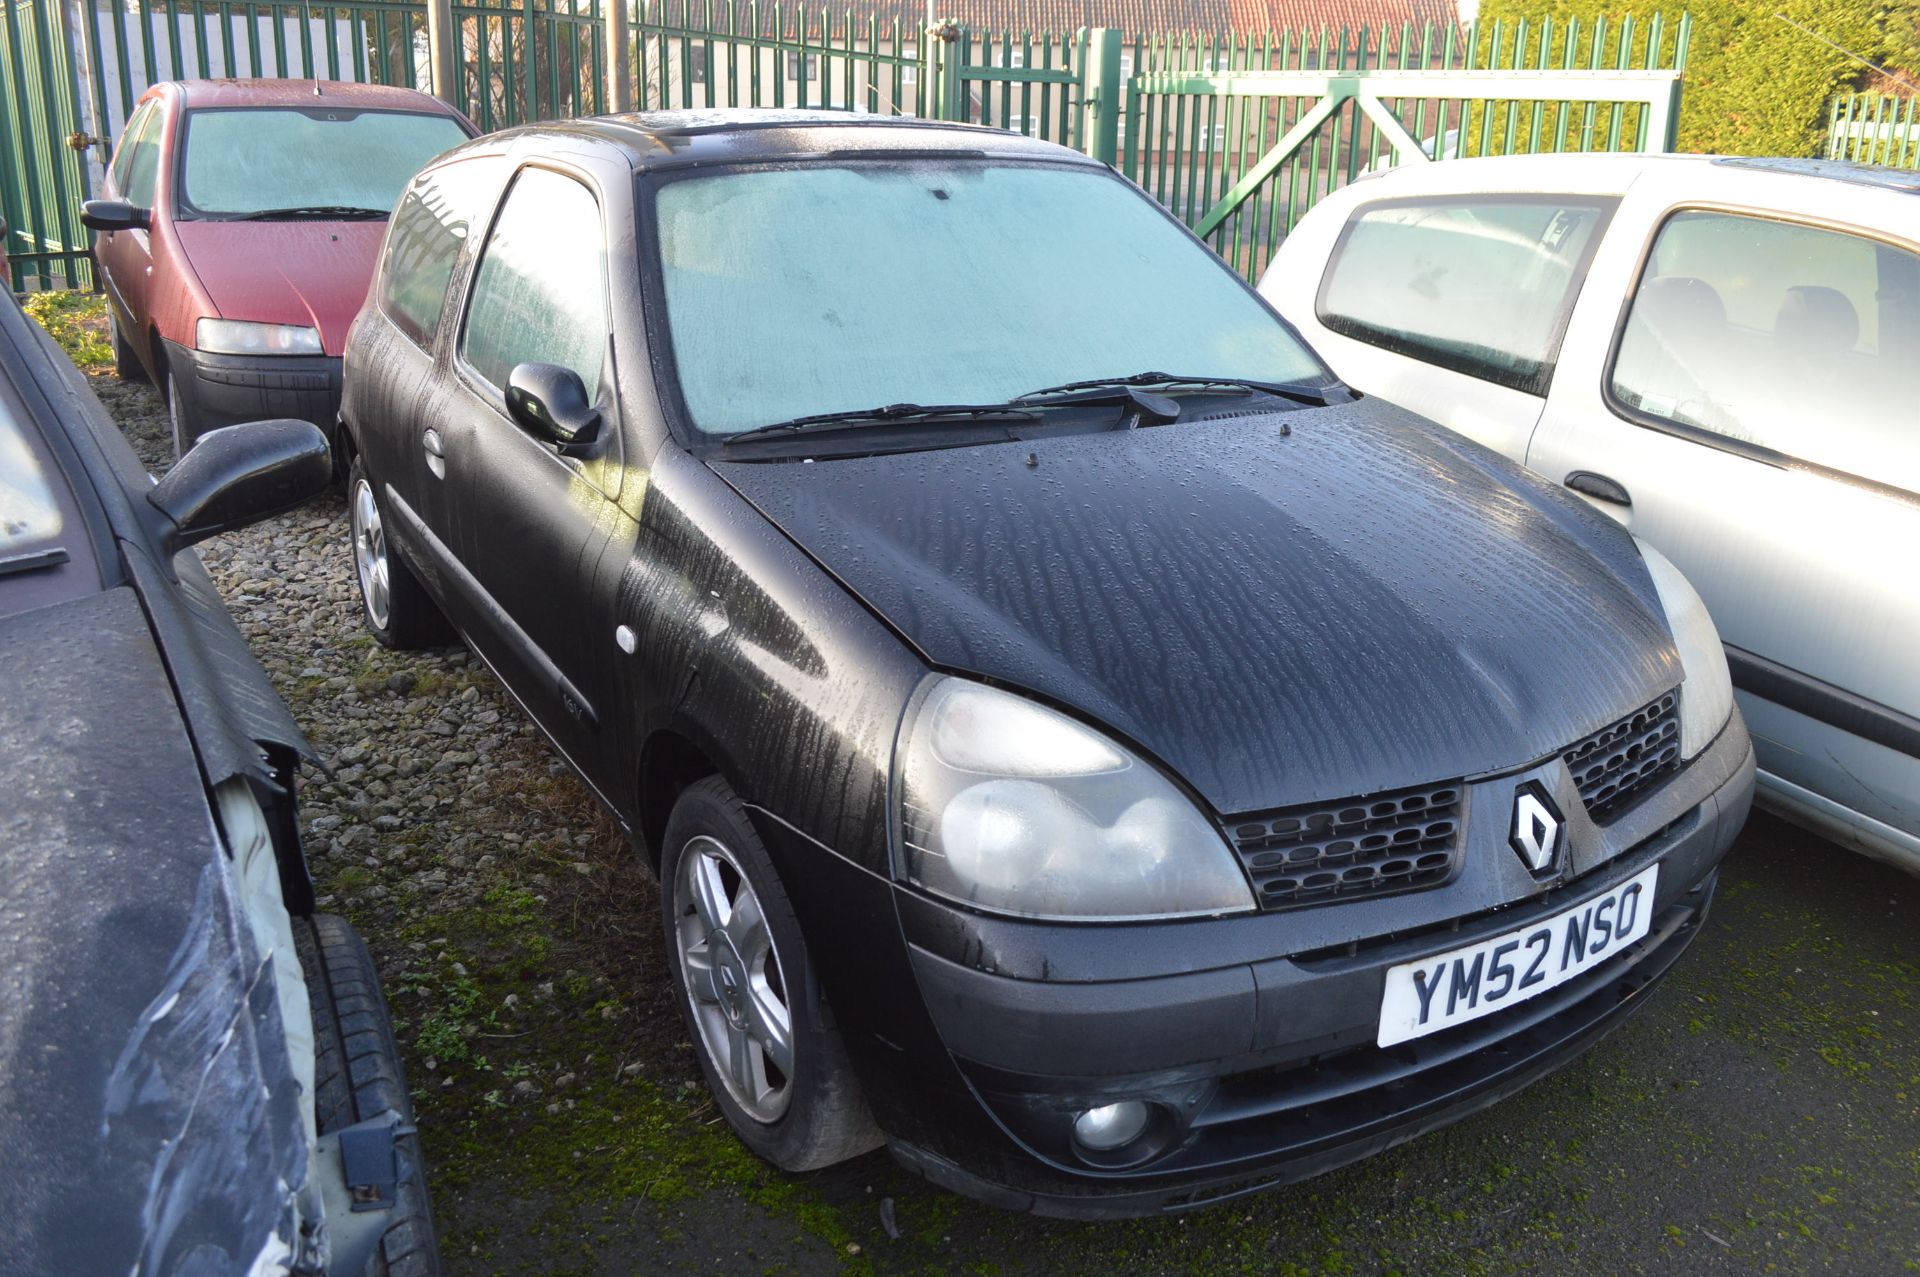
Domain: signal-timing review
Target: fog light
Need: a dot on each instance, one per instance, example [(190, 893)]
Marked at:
[(1111, 1126)]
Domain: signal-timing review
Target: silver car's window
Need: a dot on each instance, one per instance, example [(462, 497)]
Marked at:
[(817, 289), (1481, 286), (540, 295), (251, 159), (1796, 339), (428, 230)]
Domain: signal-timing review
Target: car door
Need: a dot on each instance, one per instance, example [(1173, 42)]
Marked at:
[(1752, 400), (532, 525), (405, 396), (128, 255), (1451, 305)]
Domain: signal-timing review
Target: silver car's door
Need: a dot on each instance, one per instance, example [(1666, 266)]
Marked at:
[(1748, 386)]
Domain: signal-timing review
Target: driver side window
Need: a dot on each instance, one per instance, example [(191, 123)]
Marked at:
[(137, 165), (540, 294)]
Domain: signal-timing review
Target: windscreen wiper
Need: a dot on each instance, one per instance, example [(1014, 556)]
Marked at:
[(32, 560), (1316, 394), (1143, 406), (337, 212), (885, 415)]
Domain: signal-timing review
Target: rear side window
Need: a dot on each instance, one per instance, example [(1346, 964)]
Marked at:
[(540, 295), (1481, 286), (424, 244), (1798, 340)]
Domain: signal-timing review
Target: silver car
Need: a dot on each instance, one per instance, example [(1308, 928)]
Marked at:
[(1723, 354)]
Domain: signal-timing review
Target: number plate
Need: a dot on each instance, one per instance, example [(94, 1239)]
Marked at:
[(1446, 989)]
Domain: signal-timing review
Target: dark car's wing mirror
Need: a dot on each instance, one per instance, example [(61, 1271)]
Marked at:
[(550, 402), (240, 475), (113, 215)]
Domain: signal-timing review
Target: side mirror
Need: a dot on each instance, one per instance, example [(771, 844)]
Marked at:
[(550, 402), (113, 215), (240, 475)]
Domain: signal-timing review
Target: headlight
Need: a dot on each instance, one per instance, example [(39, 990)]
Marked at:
[(1009, 806), (238, 337), (1706, 695)]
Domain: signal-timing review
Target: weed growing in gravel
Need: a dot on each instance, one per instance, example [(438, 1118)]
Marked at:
[(77, 321)]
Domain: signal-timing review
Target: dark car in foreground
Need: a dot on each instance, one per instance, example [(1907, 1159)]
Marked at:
[(1080, 743), (237, 231), (197, 1074)]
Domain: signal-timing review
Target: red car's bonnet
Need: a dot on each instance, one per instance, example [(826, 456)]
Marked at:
[(312, 273)]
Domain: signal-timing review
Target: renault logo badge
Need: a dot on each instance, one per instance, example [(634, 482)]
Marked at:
[(1538, 829)]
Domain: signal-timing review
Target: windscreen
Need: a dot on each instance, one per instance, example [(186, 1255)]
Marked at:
[(793, 291), (30, 518), (254, 160)]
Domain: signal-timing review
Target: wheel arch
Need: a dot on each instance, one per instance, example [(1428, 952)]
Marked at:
[(670, 761)]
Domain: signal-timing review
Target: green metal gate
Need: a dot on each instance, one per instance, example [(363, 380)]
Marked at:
[(42, 181), (1240, 136)]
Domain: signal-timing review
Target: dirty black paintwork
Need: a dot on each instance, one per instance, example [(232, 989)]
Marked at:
[(1364, 603), (147, 1103)]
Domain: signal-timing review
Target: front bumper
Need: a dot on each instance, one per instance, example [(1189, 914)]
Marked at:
[(226, 390), (1270, 1066)]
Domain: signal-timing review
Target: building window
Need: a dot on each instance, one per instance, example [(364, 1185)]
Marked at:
[(812, 67), (697, 62), (910, 73)]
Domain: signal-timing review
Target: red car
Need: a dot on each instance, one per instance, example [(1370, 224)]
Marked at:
[(239, 231)]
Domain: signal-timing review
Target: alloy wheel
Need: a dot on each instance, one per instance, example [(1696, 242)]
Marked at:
[(734, 979), (370, 554)]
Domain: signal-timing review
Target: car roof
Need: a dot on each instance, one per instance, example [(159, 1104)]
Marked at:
[(1905, 181), (672, 139), (1615, 171), (305, 93)]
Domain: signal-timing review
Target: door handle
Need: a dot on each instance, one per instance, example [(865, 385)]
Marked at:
[(436, 453), (1599, 487)]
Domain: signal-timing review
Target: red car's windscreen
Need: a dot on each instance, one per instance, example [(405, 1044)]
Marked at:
[(247, 161)]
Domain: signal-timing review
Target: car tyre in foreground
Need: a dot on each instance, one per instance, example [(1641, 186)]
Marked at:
[(393, 603), (357, 1076), (766, 1040)]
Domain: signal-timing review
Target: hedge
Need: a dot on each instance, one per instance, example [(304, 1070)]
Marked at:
[(1754, 84)]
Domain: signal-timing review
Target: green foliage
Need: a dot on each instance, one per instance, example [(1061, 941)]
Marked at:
[(77, 321), (1754, 84)]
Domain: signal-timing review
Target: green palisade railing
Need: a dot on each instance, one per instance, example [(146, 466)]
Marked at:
[(42, 182), (1875, 128), (1237, 133)]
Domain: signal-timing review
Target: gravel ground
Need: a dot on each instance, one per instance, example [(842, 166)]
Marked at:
[(1763, 1114)]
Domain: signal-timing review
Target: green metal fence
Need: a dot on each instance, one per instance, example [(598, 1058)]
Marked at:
[(42, 182), (1239, 134), (1875, 128)]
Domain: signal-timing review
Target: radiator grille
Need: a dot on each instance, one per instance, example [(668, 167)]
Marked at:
[(1401, 841), (1619, 765)]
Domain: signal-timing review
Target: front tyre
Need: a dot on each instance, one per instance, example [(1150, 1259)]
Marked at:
[(766, 1040), (126, 364), (179, 423), (357, 1076), (393, 603)]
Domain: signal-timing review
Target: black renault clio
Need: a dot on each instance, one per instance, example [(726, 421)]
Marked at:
[(1083, 746)]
